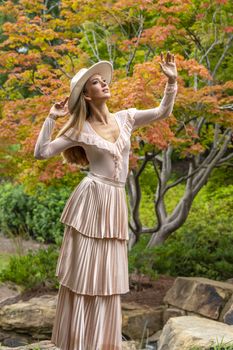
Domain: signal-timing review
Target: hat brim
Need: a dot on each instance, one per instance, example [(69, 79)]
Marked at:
[(104, 68)]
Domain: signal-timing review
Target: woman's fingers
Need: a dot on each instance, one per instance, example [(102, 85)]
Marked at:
[(162, 67), (58, 105), (162, 58), (65, 101), (168, 59), (62, 103)]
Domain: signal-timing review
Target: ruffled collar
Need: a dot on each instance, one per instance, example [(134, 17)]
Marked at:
[(89, 137)]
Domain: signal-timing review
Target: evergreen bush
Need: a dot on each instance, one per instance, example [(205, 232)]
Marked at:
[(34, 269), (47, 206), (15, 208), (34, 215)]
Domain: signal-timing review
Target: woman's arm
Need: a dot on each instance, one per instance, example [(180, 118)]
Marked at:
[(45, 148), (143, 117)]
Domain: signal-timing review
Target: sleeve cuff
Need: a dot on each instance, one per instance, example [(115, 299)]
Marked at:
[(51, 118)]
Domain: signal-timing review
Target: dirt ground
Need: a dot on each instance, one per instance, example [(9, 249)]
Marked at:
[(142, 289), (147, 292)]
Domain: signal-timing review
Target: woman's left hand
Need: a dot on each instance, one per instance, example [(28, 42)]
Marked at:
[(168, 66)]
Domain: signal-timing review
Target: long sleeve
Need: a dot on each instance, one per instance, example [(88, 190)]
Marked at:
[(45, 148), (146, 116)]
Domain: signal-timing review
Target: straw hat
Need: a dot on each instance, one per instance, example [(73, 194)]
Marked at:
[(104, 68)]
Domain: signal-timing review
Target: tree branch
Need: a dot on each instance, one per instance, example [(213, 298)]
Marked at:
[(226, 48), (132, 54), (201, 181)]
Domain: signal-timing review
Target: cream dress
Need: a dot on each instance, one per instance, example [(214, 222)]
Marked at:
[(92, 267)]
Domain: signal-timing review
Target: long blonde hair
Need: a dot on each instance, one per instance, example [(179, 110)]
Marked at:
[(76, 154)]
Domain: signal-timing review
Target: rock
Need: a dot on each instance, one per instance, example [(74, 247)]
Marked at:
[(172, 312), (230, 280), (129, 345), (186, 332), (155, 337), (33, 316), (141, 321), (43, 345), (200, 295), (47, 345), (8, 292), (15, 341), (227, 313)]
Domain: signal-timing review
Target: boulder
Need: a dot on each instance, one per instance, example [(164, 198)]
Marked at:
[(129, 345), (172, 312), (141, 321), (199, 295), (13, 339), (227, 313), (47, 345), (230, 280), (187, 332), (8, 292), (154, 338), (34, 316), (43, 345)]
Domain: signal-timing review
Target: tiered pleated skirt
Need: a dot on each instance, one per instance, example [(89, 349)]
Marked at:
[(92, 267)]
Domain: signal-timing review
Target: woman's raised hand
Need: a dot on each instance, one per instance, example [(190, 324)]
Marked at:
[(59, 109), (168, 66)]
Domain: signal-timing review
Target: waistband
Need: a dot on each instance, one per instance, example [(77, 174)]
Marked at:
[(105, 180)]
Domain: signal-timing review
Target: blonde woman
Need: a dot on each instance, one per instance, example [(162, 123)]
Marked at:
[(92, 268)]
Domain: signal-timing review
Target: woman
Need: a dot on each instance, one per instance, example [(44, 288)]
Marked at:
[(92, 267)]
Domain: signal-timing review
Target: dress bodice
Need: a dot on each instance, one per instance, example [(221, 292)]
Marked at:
[(109, 159)]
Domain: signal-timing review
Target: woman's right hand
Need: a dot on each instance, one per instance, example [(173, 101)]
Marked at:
[(59, 109)]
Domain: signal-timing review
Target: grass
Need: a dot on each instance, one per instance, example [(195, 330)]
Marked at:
[(4, 260), (219, 345)]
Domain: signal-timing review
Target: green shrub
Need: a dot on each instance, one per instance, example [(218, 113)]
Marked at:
[(15, 207), (36, 215), (34, 269), (47, 206)]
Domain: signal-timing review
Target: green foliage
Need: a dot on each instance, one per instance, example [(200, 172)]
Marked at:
[(4, 260), (47, 207), (36, 216), (215, 345), (220, 177), (203, 246), (34, 269), (148, 183), (140, 259), (15, 207), (148, 180), (147, 206)]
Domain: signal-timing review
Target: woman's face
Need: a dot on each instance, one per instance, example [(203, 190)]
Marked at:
[(96, 89)]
